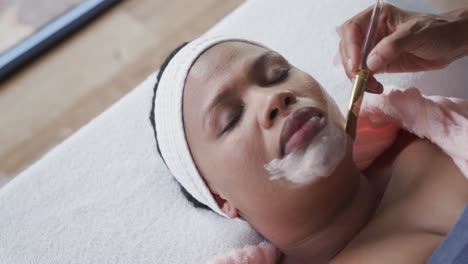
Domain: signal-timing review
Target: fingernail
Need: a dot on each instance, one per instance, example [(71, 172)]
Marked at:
[(374, 62), (380, 88), (376, 90)]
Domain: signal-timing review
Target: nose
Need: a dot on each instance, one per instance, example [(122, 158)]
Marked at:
[(276, 105)]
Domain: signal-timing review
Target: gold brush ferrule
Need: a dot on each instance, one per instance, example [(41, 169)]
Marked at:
[(359, 87)]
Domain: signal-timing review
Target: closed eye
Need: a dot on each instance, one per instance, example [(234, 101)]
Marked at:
[(233, 120), (280, 74), (284, 73)]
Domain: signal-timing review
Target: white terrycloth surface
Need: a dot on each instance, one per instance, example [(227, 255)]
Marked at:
[(103, 196)]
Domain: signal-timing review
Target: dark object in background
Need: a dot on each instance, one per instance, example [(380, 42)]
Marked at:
[(49, 35)]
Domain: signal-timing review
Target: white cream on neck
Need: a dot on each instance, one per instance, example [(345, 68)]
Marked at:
[(319, 159)]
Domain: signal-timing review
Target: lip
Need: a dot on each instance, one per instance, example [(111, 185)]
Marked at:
[(300, 127)]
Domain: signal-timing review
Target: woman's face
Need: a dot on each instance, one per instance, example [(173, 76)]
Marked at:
[(237, 97)]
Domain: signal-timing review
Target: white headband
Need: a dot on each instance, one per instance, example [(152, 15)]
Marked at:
[(170, 131)]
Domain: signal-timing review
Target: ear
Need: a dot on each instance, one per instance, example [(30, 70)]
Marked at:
[(229, 209), (225, 205)]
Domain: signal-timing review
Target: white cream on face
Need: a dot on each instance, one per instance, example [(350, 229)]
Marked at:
[(325, 151), (318, 159)]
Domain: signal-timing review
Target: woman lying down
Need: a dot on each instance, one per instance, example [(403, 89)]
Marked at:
[(250, 136)]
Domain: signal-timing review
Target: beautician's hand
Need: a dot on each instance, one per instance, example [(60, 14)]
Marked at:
[(406, 41)]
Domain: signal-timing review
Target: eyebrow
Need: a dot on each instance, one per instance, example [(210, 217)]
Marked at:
[(226, 92)]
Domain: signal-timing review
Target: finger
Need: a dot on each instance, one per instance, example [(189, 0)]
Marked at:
[(408, 62), (374, 86), (352, 39), (351, 34), (387, 51), (345, 61)]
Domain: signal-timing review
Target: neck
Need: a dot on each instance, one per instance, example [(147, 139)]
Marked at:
[(323, 245)]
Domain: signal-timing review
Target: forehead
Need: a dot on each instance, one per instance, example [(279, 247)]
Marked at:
[(221, 59)]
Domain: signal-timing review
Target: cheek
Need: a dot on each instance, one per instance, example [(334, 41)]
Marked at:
[(242, 158), (307, 86), (245, 154)]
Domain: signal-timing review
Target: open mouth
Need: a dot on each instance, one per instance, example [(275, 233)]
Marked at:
[(300, 128)]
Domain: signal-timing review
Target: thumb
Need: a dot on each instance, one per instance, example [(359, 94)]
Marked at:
[(387, 51)]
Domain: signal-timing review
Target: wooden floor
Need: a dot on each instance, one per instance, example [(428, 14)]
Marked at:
[(49, 100)]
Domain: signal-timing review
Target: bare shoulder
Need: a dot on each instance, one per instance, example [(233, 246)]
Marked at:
[(423, 200), (423, 176)]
